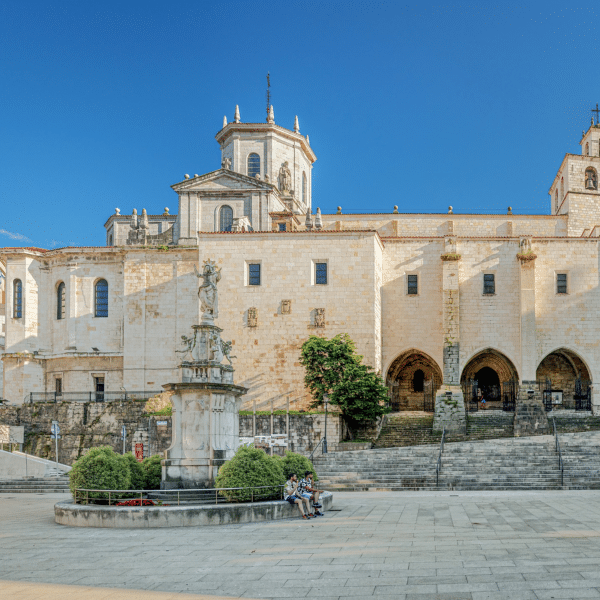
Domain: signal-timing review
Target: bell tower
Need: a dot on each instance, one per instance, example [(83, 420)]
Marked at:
[(279, 156), (574, 191)]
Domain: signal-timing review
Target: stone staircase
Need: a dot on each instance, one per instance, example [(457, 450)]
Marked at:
[(35, 485), (400, 430), (527, 463)]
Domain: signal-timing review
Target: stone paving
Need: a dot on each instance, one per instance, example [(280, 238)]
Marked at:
[(414, 545)]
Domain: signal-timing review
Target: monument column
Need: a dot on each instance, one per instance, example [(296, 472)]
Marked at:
[(449, 401)]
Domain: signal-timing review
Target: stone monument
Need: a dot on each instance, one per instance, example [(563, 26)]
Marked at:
[(206, 402)]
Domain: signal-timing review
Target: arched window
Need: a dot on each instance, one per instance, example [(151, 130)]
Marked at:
[(418, 379), (556, 199), (587, 149), (253, 165), (110, 240), (562, 187), (225, 218), (61, 301), (304, 191), (17, 299), (101, 298), (591, 179)]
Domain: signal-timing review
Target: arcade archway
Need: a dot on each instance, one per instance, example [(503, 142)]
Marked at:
[(565, 381), (413, 379), (490, 376)]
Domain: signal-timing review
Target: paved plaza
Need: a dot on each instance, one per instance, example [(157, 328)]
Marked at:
[(415, 545)]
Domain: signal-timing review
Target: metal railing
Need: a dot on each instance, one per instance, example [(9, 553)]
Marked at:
[(89, 396), (321, 443), (560, 459), (179, 496), (438, 466)]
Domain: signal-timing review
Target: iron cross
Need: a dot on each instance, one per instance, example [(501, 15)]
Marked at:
[(597, 111)]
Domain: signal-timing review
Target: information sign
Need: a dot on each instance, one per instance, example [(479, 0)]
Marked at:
[(139, 452)]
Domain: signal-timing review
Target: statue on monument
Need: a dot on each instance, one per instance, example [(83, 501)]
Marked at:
[(285, 178), (189, 344), (207, 292)]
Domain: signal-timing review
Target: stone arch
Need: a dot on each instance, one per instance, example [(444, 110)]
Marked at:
[(491, 369), (560, 371), (400, 379)]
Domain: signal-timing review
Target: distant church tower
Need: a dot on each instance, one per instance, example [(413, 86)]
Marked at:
[(574, 190), (277, 155)]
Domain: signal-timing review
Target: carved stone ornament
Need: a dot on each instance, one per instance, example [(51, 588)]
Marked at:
[(525, 253), (207, 292), (226, 163), (285, 178), (286, 307), (319, 317), (252, 317)]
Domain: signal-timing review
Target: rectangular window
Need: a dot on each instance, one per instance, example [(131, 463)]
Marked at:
[(58, 386), (413, 285), (321, 273), (489, 283), (282, 227), (99, 388), (561, 283), (254, 274)]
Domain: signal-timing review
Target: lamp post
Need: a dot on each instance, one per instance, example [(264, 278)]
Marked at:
[(326, 401)]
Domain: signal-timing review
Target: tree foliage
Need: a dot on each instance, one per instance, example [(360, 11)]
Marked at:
[(136, 472), (332, 367), (296, 463), (251, 467)]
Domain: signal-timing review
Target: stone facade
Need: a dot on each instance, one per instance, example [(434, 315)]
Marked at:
[(431, 300)]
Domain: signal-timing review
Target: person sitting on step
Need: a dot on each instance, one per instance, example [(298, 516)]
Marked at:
[(292, 495), (309, 492)]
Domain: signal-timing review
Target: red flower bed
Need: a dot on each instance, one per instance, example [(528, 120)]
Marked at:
[(136, 502)]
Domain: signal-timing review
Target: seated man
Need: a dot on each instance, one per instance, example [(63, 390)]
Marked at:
[(309, 492), (292, 495)]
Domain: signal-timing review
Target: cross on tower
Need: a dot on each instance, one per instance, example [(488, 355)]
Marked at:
[(597, 111)]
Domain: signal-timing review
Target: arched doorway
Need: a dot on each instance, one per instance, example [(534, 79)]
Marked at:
[(413, 379), (492, 376), (565, 381)]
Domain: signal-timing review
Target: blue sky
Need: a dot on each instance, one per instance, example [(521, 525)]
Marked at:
[(421, 105)]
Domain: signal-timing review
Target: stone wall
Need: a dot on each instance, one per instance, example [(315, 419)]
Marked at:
[(86, 425)]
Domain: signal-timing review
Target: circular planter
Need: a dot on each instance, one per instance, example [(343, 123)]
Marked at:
[(92, 515)]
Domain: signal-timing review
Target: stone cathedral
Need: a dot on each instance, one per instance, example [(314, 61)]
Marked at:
[(474, 304)]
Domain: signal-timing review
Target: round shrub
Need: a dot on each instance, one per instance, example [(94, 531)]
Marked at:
[(136, 473), (100, 468), (297, 463), (250, 468), (152, 472)]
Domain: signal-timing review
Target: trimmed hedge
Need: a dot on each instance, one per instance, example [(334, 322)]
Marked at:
[(152, 472), (296, 463)]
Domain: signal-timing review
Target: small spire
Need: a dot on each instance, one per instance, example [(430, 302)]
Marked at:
[(308, 222), (296, 125), (237, 114), (395, 210), (318, 221), (144, 221), (449, 210), (509, 210), (224, 121), (339, 210), (307, 140), (271, 117)]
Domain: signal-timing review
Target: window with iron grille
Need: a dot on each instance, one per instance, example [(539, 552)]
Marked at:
[(254, 274), (61, 300), (489, 283), (225, 218), (413, 285), (321, 273), (561, 283), (253, 165), (101, 298), (17, 299), (282, 227)]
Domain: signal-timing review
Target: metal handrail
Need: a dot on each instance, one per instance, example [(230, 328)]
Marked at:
[(321, 441), (81, 494), (438, 466), (560, 459)]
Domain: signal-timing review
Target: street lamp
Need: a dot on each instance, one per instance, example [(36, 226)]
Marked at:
[(326, 401)]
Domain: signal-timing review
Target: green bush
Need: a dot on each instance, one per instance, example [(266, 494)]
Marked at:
[(296, 463), (100, 468), (136, 472), (152, 472), (251, 467)]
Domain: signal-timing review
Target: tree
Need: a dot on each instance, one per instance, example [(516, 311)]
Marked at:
[(333, 367)]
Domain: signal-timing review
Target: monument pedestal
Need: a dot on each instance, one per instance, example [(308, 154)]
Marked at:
[(530, 415), (450, 410)]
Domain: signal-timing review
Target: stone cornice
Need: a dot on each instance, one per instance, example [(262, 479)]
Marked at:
[(187, 184), (232, 128)]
